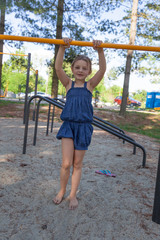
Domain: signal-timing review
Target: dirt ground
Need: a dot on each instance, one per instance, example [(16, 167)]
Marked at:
[(109, 208)]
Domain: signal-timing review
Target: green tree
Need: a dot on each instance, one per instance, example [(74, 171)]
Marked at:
[(147, 63), (146, 32), (140, 95), (14, 74)]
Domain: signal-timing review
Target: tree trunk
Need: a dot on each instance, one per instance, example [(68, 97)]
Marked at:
[(2, 28), (129, 58), (58, 36)]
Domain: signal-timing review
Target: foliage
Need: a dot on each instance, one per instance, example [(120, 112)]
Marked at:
[(140, 95), (143, 123), (14, 75), (148, 32)]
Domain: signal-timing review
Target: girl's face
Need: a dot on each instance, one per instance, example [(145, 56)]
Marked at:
[(81, 70)]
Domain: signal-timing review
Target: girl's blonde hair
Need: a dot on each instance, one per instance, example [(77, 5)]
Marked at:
[(84, 58)]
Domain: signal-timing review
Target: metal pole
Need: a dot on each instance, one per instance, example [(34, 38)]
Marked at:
[(35, 93), (27, 85), (14, 54), (53, 111), (79, 43), (36, 123), (156, 206), (26, 126), (49, 110)]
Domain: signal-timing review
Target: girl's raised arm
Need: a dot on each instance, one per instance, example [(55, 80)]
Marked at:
[(65, 80), (93, 82)]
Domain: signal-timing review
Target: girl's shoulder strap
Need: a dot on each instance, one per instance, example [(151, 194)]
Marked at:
[(85, 85), (72, 84)]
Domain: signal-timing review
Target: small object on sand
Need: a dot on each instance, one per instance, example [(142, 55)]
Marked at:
[(44, 226), (106, 173), (23, 165)]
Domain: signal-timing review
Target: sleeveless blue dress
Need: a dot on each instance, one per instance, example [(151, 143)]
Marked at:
[(77, 116)]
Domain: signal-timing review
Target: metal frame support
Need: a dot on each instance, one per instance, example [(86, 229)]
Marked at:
[(27, 86), (156, 207)]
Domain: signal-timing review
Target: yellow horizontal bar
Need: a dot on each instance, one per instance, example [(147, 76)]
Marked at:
[(36, 71), (79, 43), (16, 54)]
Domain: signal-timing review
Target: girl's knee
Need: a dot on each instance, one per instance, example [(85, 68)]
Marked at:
[(66, 165), (77, 164)]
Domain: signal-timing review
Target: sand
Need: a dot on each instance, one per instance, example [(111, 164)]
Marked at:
[(109, 208)]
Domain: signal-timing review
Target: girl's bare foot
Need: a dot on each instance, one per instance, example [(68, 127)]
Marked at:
[(73, 203), (58, 199)]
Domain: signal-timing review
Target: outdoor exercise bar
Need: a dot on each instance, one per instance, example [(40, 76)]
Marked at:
[(15, 54), (79, 43)]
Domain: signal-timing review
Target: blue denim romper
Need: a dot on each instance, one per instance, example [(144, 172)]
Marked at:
[(77, 116)]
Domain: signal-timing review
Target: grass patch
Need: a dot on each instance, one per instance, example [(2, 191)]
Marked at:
[(153, 132), (144, 123), (9, 116), (7, 102)]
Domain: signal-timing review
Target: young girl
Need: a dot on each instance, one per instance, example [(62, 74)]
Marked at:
[(76, 130)]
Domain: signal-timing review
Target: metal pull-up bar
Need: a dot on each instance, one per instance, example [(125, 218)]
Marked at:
[(79, 43), (14, 54)]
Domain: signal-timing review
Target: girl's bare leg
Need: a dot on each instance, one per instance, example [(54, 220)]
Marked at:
[(76, 176), (67, 161)]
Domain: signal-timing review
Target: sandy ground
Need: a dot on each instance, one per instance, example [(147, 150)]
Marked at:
[(109, 208)]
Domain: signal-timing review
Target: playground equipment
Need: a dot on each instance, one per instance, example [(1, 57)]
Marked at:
[(98, 122), (4, 94), (156, 207), (14, 54), (35, 91), (79, 43)]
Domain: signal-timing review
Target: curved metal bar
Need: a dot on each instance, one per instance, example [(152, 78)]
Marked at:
[(95, 123), (104, 123), (125, 137), (107, 128), (97, 118), (108, 123)]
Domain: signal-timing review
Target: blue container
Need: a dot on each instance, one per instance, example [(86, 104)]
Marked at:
[(153, 99), (157, 100), (150, 100)]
